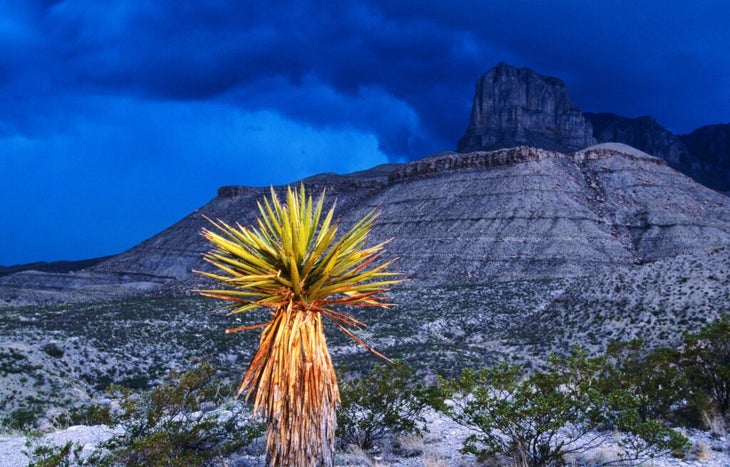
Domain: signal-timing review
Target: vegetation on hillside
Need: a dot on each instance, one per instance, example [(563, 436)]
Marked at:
[(634, 397), (50, 349), (190, 420)]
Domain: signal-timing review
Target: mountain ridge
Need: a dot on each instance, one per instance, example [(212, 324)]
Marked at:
[(518, 106), (513, 214), (603, 206)]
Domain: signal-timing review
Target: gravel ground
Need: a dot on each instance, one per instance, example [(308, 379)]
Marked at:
[(13, 449), (437, 448)]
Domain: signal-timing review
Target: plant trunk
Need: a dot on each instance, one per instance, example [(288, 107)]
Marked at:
[(293, 366)]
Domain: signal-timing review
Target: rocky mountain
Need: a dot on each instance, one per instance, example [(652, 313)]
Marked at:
[(704, 154), (513, 214), (711, 146), (521, 213), (645, 134), (516, 106), (510, 254)]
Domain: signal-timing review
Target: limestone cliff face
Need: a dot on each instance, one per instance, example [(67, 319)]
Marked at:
[(711, 146), (645, 134), (516, 106), (455, 219), (511, 214)]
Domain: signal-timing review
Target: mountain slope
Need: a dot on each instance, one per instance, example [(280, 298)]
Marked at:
[(519, 213), (654, 303), (455, 219), (711, 145)]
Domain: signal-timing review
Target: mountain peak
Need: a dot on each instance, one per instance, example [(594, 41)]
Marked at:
[(516, 106)]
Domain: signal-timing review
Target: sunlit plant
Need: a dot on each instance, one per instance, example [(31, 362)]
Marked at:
[(294, 264)]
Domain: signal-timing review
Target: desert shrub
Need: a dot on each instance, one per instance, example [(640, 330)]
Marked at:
[(14, 362), (89, 414), (168, 426), (706, 361), (53, 350), (641, 438), (66, 455), (537, 419), (534, 420), (138, 381), (655, 379), (22, 418), (387, 401)]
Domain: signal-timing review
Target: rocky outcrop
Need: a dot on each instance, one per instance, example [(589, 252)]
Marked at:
[(448, 161), (703, 154), (31, 287), (53, 266), (516, 106), (459, 219), (645, 134), (519, 213), (711, 146)]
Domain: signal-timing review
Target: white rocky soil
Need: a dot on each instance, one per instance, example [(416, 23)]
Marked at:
[(439, 447)]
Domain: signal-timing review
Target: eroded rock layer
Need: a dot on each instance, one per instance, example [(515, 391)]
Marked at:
[(516, 106), (512, 214)]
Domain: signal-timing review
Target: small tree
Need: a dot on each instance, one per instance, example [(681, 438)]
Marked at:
[(641, 438), (164, 426), (706, 359), (535, 421), (293, 265), (538, 419), (654, 378), (387, 401)]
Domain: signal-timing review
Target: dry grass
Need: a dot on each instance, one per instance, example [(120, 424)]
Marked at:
[(715, 423), (701, 451), (434, 460)]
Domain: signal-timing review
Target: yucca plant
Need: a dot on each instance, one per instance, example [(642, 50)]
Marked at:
[(294, 265)]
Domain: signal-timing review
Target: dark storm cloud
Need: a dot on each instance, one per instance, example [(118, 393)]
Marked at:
[(631, 58), (173, 51), (166, 100), (622, 57), (615, 56)]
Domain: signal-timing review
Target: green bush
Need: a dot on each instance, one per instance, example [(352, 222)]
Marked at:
[(706, 360), (22, 418), (641, 438), (523, 418), (655, 379), (139, 382), (387, 401), (53, 350), (166, 426), (89, 414), (537, 419), (66, 455)]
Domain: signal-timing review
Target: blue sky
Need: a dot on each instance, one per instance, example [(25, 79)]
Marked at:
[(118, 118)]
